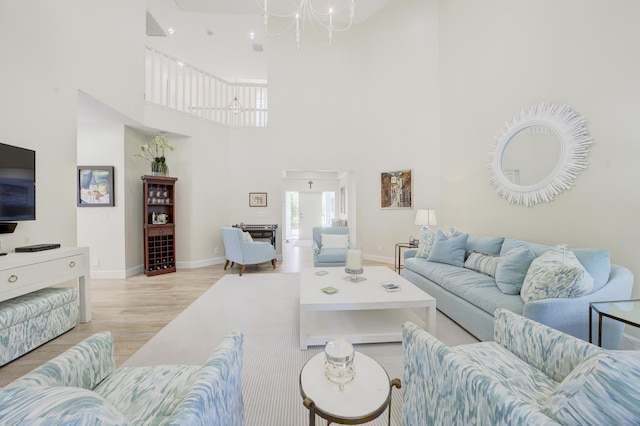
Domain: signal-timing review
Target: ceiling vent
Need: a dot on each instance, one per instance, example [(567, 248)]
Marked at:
[(257, 47), (153, 28)]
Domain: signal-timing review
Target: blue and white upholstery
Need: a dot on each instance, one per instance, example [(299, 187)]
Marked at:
[(244, 251), (30, 320), (530, 374), (325, 255), (82, 386)]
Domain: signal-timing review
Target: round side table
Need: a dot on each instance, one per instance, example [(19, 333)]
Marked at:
[(362, 400)]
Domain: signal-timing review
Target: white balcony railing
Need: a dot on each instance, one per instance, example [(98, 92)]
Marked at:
[(174, 84)]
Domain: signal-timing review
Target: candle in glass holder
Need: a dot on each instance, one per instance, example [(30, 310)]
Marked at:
[(354, 259)]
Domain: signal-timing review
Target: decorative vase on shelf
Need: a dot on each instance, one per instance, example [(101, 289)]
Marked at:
[(159, 167), (154, 154)]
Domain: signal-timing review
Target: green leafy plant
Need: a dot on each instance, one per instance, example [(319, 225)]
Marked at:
[(154, 153)]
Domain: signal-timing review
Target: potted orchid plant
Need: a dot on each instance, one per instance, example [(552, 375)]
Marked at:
[(154, 154)]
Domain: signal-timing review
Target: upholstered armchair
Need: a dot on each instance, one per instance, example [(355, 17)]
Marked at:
[(83, 387), (531, 374), (332, 249), (241, 249)]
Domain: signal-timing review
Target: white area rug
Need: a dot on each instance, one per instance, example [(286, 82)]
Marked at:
[(265, 308)]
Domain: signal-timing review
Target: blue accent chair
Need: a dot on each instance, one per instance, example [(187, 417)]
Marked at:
[(240, 250), (328, 256)]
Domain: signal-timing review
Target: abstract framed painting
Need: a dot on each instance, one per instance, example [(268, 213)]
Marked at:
[(95, 186)]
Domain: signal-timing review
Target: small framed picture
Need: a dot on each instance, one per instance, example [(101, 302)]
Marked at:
[(257, 199), (95, 186)]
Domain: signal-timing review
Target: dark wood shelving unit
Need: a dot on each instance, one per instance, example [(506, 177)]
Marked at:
[(159, 224)]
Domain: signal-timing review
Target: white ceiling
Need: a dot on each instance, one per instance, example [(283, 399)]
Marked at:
[(214, 34), (364, 8)]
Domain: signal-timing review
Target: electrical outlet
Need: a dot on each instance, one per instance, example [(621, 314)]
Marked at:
[(96, 261), (216, 250), (379, 248)]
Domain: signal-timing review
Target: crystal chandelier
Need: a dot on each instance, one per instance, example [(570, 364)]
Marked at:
[(307, 12)]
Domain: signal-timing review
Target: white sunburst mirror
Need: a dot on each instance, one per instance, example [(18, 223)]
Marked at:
[(547, 146)]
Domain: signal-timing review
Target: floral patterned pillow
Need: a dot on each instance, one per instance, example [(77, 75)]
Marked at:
[(556, 273), (428, 237)]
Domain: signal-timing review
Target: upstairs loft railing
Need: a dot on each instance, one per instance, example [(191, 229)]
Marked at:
[(174, 84)]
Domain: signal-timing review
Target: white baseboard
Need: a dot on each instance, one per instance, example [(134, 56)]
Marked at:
[(379, 259), (108, 275)]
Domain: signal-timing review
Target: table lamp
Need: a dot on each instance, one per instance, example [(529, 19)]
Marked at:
[(425, 219)]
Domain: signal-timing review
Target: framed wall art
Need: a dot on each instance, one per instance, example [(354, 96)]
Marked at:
[(257, 199), (95, 186), (396, 189)]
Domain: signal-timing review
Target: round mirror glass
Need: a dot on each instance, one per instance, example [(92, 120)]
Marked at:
[(531, 155), (538, 153)]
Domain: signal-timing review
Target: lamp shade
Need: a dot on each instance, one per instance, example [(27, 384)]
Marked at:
[(426, 217)]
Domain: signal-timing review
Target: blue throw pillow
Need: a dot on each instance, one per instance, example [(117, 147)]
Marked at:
[(486, 245), (512, 268), (449, 250), (597, 262)]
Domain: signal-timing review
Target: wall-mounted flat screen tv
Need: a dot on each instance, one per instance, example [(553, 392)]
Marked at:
[(17, 183)]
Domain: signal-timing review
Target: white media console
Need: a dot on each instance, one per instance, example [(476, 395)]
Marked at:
[(22, 273)]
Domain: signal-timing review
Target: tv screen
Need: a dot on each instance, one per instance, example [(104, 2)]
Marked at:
[(17, 183)]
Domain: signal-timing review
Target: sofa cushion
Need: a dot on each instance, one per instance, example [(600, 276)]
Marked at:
[(602, 390), (147, 395), (522, 380), (483, 263), (556, 273), (426, 243), (597, 262), (487, 245), (449, 250), (332, 256), (512, 268), (477, 288), (56, 405), (334, 241)]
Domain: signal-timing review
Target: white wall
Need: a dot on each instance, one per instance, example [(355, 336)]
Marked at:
[(50, 50), (103, 228), (499, 56), (368, 104), (206, 184)]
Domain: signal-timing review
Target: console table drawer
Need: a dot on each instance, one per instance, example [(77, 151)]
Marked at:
[(65, 268)]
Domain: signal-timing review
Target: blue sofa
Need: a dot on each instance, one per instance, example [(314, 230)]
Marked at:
[(470, 297), (530, 375), (83, 387)]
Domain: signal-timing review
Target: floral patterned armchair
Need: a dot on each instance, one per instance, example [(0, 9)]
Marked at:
[(82, 386), (530, 374)]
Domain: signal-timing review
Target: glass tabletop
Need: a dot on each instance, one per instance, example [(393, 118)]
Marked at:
[(623, 310)]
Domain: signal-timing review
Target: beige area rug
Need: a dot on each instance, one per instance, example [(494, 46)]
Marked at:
[(265, 308)]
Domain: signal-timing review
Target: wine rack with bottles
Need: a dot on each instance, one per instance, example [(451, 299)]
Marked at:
[(159, 224)]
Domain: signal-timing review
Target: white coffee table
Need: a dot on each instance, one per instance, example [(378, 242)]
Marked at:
[(362, 312)]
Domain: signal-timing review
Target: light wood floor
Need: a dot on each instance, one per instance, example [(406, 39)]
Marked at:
[(135, 309)]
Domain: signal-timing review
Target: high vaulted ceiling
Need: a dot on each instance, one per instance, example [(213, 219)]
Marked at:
[(215, 35)]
